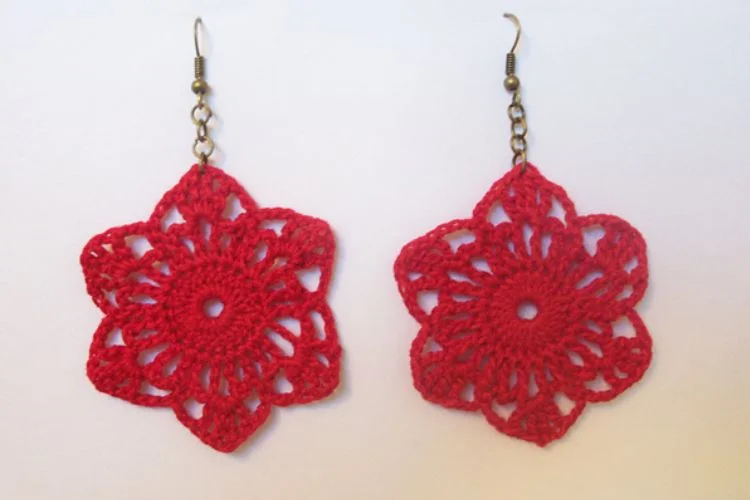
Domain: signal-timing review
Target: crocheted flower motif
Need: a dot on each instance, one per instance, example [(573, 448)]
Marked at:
[(526, 308), (215, 308)]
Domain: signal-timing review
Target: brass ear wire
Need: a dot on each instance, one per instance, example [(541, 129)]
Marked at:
[(197, 23), (516, 112), (515, 21), (203, 146)]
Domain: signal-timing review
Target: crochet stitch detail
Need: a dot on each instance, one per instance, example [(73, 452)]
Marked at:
[(526, 308), (215, 308)]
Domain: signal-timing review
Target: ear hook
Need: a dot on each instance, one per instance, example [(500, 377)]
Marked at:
[(198, 23), (517, 23), (199, 62)]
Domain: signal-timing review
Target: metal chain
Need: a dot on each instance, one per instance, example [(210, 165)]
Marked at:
[(203, 146), (518, 130)]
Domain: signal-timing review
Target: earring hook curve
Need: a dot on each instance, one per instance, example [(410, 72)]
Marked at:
[(517, 23)]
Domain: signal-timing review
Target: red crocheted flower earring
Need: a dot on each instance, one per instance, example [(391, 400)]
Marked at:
[(526, 307), (213, 307)]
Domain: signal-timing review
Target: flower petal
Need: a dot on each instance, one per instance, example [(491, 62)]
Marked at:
[(310, 370), (520, 197), (209, 196), (300, 255), (219, 398), (527, 220), (123, 267), (127, 360), (223, 424), (448, 262), (289, 255), (611, 356), (541, 419), (610, 275), (451, 369)]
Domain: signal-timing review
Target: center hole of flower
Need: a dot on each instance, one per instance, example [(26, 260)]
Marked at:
[(213, 308), (527, 310)]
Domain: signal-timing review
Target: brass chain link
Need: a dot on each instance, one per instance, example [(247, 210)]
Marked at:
[(518, 130), (203, 146)]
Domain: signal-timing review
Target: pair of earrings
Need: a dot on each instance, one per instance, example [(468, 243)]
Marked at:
[(217, 308)]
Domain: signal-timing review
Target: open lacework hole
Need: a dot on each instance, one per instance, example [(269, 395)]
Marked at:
[(171, 366), (111, 297), (189, 244), (277, 263), (504, 411), (152, 390), (171, 217), (286, 347), (194, 408), (481, 264), (309, 278), (213, 307), (292, 325), (595, 348), (625, 293), (556, 210), (532, 387), (143, 299), (598, 384), (204, 377), (205, 230), (162, 267), (138, 244), (281, 383), (460, 277), (142, 278), (574, 357), (322, 359), (459, 238), (114, 338), (275, 225), (431, 345), (591, 237), (527, 310), (427, 300), (259, 254), (147, 356), (319, 325), (252, 402), (467, 392), (527, 232), (589, 279), (623, 327), (564, 403), (233, 208), (631, 265), (497, 215)]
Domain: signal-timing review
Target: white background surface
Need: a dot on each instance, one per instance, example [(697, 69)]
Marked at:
[(384, 118)]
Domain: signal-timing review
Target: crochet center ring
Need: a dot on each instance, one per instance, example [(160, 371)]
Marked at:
[(200, 286)]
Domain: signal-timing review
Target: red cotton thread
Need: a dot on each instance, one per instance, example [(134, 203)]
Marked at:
[(215, 308), (526, 308)]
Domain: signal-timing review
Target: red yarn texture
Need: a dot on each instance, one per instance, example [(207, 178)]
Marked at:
[(526, 308), (164, 342)]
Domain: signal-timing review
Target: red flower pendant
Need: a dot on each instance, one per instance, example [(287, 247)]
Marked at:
[(526, 308), (215, 308)]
